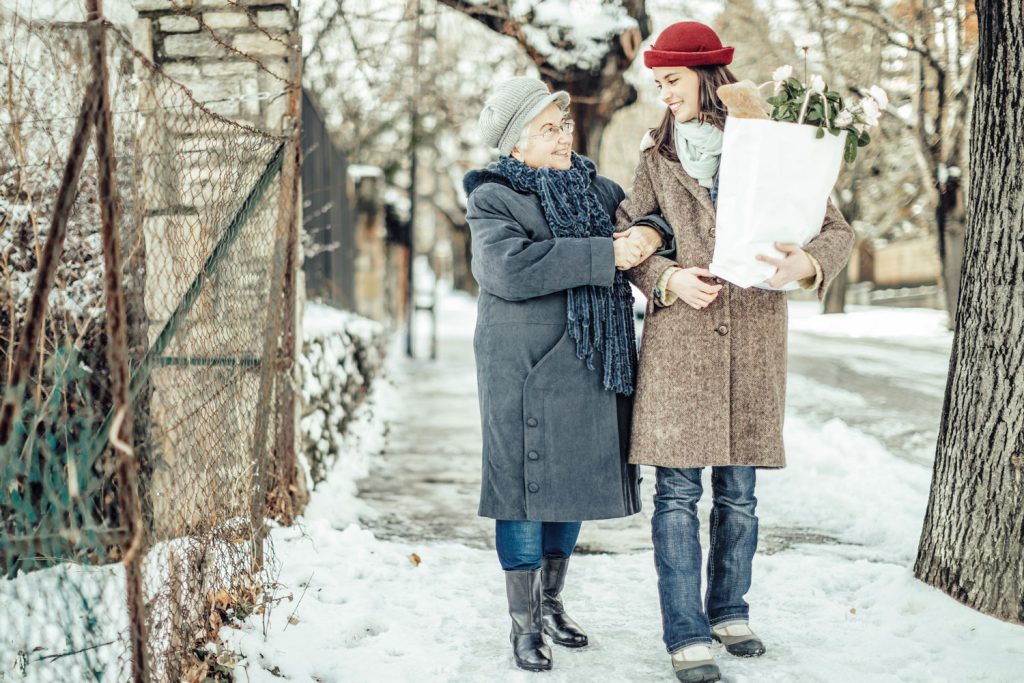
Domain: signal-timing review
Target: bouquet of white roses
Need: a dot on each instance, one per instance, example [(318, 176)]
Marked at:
[(777, 171), (816, 105)]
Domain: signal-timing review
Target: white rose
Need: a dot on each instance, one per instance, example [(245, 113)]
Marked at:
[(818, 84), (879, 96), (871, 111), (782, 73), (844, 119)]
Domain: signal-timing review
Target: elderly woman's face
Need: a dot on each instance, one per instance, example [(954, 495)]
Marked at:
[(547, 144)]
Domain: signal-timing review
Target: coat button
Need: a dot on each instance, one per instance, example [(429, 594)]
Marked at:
[(533, 455), (723, 330), (531, 422), (533, 487)]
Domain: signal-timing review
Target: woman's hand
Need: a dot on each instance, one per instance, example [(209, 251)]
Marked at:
[(645, 240), (628, 253), (688, 286), (795, 265)]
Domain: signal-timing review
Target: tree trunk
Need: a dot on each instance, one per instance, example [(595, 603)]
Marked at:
[(595, 99), (596, 94), (972, 544), (835, 295), (949, 222)]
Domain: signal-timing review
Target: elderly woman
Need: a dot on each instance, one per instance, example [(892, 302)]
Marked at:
[(555, 353)]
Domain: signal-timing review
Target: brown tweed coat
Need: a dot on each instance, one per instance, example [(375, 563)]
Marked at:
[(711, 384)]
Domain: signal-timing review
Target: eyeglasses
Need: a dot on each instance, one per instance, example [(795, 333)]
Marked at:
[(553, 132)]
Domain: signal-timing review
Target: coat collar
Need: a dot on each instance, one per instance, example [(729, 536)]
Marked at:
[(689, 182)]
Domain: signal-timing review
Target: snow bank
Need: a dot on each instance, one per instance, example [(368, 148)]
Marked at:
[(870, 322), (64, 623), (342, 363)]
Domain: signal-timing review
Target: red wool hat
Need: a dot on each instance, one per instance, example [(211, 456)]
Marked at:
[(687, 43)]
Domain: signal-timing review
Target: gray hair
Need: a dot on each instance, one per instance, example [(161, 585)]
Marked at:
[(524, 140)]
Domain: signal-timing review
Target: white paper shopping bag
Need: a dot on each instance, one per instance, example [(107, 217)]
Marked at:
[(773, 186)]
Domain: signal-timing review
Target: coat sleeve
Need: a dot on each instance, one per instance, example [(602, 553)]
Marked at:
[(509, 264), (642, 201), (832, 247)]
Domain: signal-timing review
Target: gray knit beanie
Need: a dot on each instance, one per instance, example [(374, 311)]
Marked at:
[(512, 105)]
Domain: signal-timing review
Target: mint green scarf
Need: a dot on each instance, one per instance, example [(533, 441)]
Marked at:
[(699, 146)]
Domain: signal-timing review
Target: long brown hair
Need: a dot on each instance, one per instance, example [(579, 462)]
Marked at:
[(711, 108)]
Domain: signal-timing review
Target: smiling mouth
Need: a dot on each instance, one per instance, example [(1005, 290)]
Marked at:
[(675, 105)]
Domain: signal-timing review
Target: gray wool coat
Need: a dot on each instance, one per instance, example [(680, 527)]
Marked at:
[(711, 383), (555, 442)]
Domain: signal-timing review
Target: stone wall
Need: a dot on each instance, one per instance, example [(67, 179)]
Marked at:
[(232, 55)]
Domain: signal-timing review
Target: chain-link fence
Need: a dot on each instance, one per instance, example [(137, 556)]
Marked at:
[(144, 325)]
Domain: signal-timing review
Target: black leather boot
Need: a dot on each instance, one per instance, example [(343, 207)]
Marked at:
[(557, 624), (524, 606)]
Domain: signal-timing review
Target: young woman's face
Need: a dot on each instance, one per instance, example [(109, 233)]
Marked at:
[(548, 144), (680, 90)]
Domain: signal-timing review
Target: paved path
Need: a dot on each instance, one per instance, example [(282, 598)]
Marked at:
[(425, 485)]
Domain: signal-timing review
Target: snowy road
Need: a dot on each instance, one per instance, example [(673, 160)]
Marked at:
[(402, 584)]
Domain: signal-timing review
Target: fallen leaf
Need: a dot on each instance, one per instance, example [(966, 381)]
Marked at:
[(853, 610), (293, 620), (415, 559)]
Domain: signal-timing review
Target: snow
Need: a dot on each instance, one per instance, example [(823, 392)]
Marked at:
[(320, 320), (341, 355), (571, 33), (357, 171), (50, 612), (871, 322), (837, 602)]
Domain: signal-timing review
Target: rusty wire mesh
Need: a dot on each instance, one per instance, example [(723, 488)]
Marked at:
[(199, 199)]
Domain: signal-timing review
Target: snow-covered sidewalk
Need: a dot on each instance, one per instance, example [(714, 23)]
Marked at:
[(836, 602)]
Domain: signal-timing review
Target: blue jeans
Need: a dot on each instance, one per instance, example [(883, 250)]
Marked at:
[(523, 544), (686, 619)]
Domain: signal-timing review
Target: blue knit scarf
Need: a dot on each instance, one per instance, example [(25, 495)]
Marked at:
[(599, 318)]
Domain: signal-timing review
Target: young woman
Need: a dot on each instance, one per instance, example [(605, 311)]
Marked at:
[(555, 353), (712, 370)]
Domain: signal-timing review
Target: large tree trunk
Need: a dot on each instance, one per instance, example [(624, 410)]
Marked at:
[(972, 544), (595, 99)]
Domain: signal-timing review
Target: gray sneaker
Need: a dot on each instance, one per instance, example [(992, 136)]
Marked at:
[(738, 639), (695, 664)]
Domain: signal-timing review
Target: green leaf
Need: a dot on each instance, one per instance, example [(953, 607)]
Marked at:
[(850, 149), (864, 139), (834, 131), (820, 133)]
